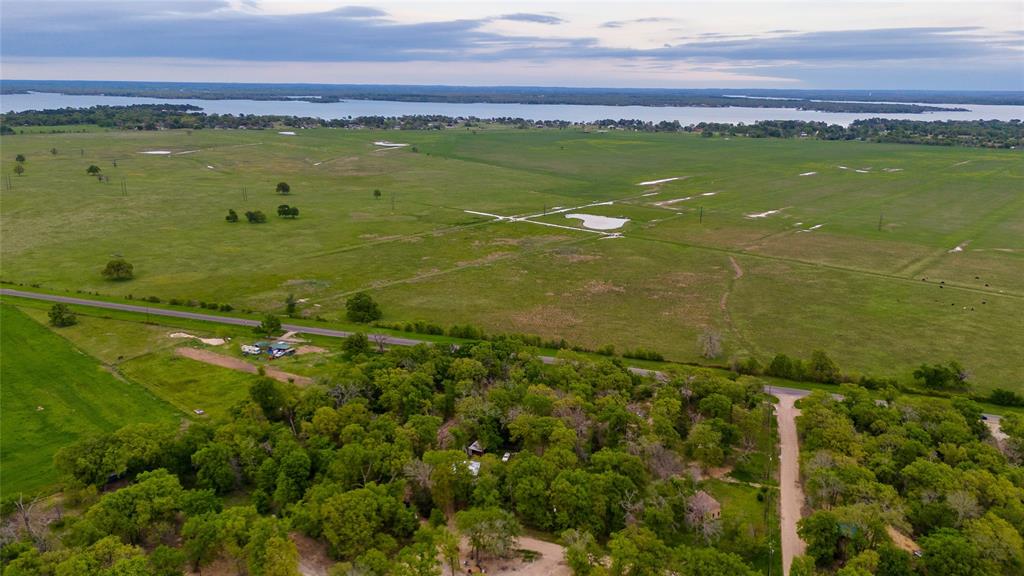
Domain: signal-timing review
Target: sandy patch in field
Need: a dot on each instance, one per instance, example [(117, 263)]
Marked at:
[(808, 173), (287, 133), (601, 287), (207, 341), (386, 144), (764, 214), (574, 258), (663, 180), (599, 222), (156, 152), (310, 350)]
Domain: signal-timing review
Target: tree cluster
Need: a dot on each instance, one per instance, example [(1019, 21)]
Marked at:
[(923, 468)]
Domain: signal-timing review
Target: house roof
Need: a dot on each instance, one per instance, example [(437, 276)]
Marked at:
[(476, 447), (705, 501)]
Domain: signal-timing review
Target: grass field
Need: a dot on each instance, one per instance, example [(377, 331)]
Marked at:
[(855, 286), (54, 394)]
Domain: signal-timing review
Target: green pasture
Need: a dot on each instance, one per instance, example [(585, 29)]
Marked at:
[(54, 394), (876, 285)]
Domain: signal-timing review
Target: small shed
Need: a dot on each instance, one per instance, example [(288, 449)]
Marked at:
[(704, 505), (475, 449)]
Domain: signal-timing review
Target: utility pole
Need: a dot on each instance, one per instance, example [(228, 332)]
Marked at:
[(879, 222), (701, 215), (392, 201)]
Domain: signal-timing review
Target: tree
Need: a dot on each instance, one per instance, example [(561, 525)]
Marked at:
[(19, 169), (947, 552), (53, 151), (283, 188), (293, 212), (636, 551), (271, 324), (119, 269), (361, 307), (710, 342), (202, 539), (255, 217), (284, 210), (93, 170), (61, 315), (492, 531), (232, 215), (822, 368), (356, 344), (376, 194), (214, 468), (942, 377), (821, 532), (448, 546), (20, 158), (582, 553)]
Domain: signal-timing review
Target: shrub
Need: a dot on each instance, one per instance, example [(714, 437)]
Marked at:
[(643, 354), (1004, 397)]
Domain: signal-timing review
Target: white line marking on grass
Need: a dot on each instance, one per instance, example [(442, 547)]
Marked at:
[(186, 152), (156, 152), (652, 182), (892, 169), (842, 167), (959, 247), (709, 193), (317, 163), (664, 203), (808, 173), (210, 167), (386, 144), (764, 214), (287, 133), (960, 163), (812, 228), (859, 171), (651, 194)]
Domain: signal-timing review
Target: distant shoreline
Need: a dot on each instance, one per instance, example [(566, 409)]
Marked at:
[(840, 101)]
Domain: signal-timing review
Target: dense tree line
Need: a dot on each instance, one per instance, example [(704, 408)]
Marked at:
[(597, 454), (929, 471), (983, 133)]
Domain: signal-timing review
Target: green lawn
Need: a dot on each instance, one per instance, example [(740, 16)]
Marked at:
[(853, 287), (54, 394)]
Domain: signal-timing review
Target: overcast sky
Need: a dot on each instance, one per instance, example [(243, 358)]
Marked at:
[(811, 44)]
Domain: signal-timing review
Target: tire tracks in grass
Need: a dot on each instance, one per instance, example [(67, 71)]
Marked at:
[(859, 271), (723, 304)]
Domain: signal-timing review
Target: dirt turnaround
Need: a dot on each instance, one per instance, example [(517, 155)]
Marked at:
[(240, 365)]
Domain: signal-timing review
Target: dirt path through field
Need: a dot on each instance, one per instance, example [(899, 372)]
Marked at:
[(792, 493), (240, 365)]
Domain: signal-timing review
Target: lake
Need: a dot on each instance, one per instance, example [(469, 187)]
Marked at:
[(570, 112)]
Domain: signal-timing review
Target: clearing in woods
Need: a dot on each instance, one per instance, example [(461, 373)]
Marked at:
[(874, 284)]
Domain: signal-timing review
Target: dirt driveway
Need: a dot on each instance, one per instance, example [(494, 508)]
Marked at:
[(240, 365), (792, 493)]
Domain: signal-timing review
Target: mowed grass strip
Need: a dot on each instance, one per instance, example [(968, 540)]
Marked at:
[(52, 395)]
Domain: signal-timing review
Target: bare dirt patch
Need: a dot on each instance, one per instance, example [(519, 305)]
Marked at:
[(543, 318), (310, 350), (241, 365), (313, 558), (601, 287)]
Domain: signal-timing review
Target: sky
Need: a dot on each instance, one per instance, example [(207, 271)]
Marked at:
[(835, 44)]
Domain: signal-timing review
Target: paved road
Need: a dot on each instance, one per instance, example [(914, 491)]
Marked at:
[(390, 340)]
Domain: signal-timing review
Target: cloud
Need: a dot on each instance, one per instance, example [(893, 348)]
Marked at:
[(535, 18), (221, 31), (621, 23)]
